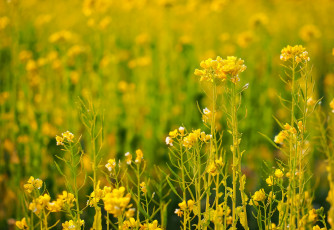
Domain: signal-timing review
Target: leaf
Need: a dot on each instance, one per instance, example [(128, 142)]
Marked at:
[(271, 141), (172, 187)]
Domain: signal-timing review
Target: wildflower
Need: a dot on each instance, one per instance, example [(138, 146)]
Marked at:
[(128, 158), (279, 173), (318, 228), (68, 136), (220, 68), (270, 181), (178, 212), (279, 139), (273, 226), (190, 204), (181, 130), (130, 212), (312, 215), (67, 199), (219, 161), (38, 204), (59, 140), (331, 104), (290, 129), (115, 202), (297, 53), (153, 225), (212, 169), (169, 141), (259, 195), (70, 225), (143, 187), (183, 205), (22, 224), (174, 133), (32, 184), (55, 206), (111, 164), (139, 156)]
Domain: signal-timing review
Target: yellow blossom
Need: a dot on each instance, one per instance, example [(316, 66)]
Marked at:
[(139, 156), (111, 164), (190, 204), (270, 181), (71, 225), (22, 224), (143, 187), (178, 212), (32, 184), (312, 215), (128, 158), (183, 205), (331, 104), (279, 173), (212, 169), (259, 195), (297, 53), (115, 202)]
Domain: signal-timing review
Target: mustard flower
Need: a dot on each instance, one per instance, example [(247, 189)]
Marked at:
[(143, 187), (32, 184), (183, 205), (111, 164), (169, 141), (212, 169), (312, 215), (70, 225), (190, 204), (297, 53), (139, 156), (259, 195), (22, 224), (128, 158), (331, 104), (115, 202), (278, 173), (178, 212), (270, 181), (181, 130)]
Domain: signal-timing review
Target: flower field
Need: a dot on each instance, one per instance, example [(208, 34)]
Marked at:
[(165, 114)]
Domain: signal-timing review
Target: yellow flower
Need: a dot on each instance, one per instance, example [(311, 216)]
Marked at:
[(270, 181), (318, 228), (190, 204), (128, 158), (259, 195), (331, 104), (178, 212), (220, 68), (183, 205), (22, 224), (279, 173), (139, 156), (169, 141), (33, 184), (212, 169), (143, 187), (173, 133), (279, 139), (297, 53), (68, 136), (312, 215), (59, 140), (115, 202), (111, 164), (71, 225), (130, 212)]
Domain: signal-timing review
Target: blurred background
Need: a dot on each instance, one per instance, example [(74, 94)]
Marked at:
[(134, 60)]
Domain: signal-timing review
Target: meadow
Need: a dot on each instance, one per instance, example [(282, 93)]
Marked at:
[(165, 114)]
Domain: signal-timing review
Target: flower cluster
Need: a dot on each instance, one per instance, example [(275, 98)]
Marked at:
[(258, 197), (22, 224), (297, 53), (38, 204), (220, 69), (279, 139), (150, 226), (111, 164), (64, 201), (67, 136), (98, 194), (189, 205), (115, 202), (32, 184), (70, 225), (187, 140)]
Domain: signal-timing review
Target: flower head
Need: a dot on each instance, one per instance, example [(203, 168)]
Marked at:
[(139, 156), (22, 224), (297, 53), (111, 164)]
